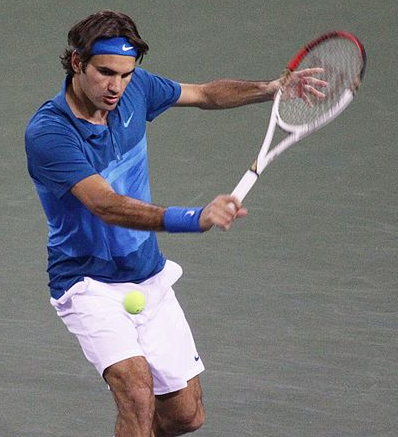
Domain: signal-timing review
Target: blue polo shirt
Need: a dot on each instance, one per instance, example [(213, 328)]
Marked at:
[(62, 150)]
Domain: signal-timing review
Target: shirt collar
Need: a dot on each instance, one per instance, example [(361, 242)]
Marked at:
[(85, 129)]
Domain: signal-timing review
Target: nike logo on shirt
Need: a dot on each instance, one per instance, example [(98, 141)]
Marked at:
[(126, 123)]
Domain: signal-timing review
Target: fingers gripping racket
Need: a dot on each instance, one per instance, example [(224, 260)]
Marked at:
[(297, 110)]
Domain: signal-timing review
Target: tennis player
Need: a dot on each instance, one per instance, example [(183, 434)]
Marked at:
[(87, 155)]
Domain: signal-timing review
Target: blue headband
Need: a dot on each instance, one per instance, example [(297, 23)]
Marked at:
[(114, 46)]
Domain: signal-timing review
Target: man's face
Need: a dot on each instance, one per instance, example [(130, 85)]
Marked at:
[(105, 79)]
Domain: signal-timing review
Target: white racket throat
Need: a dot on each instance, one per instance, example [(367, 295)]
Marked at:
[(296, 133)]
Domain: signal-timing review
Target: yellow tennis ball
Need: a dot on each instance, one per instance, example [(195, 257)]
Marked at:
[(134, 302)]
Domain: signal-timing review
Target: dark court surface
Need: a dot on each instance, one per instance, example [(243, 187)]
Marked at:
[(295, 311)]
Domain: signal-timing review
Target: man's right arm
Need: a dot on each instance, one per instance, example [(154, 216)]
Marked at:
[(115, 209)]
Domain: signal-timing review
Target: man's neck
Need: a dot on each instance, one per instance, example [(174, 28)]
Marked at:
[(81, 107)]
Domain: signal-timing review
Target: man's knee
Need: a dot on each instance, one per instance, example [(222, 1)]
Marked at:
[(187, 419), (194, 421)]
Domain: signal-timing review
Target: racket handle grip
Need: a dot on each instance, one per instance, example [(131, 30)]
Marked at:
[(245, 185)]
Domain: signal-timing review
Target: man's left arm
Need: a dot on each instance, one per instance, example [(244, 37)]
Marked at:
[(226, 93), (231, 93)]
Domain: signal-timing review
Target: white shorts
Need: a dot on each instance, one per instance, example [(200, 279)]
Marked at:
[(94, 312)]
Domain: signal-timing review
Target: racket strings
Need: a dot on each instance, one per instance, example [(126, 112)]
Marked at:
[(342, 64)]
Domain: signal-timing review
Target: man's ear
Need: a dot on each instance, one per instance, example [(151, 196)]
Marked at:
[(76, 62)]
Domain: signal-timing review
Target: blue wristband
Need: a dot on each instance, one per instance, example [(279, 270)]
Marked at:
[(179, 219)]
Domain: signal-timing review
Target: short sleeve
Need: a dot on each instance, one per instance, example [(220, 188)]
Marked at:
[(55, 158), (160, 92)]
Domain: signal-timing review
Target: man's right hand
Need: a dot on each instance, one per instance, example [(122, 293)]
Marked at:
[(221, 212)]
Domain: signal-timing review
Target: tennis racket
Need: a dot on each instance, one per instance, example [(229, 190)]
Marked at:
[(342, 59)]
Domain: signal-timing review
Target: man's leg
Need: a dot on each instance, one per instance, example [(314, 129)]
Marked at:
[(131, 383), (179, 412), (139, 413)]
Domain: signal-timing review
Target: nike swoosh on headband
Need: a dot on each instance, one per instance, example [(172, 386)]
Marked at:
[(125, 48)]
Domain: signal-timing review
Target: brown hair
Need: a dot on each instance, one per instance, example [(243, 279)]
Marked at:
[(103, 24)]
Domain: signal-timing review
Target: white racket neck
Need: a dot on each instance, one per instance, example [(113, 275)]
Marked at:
[(245, 185), (297, 133), (271, 126), (251, 176), (265, 157)]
